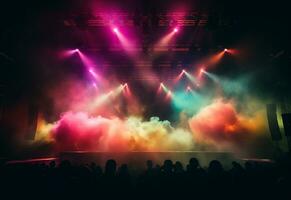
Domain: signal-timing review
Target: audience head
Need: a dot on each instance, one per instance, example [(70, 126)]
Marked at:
[(194, 163), (178, 167), (123, 169), (110, 167), (215, 167), (168, 166)]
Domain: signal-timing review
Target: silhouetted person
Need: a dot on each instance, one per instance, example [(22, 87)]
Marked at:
[(109, 178), (215, 167), (167, 176), (178, 168), (168, 167), (179, 176), (193, 164), (195, 176), (237, 171), (123, 179), (110, 168)]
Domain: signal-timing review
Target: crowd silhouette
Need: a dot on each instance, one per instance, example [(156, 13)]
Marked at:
[(171, 179)]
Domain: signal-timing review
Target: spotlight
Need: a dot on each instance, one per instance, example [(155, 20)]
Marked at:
[(183, 71), (188, 88), (76, 50), (202, 70), (225, 50), (176, 30), (115, 30)]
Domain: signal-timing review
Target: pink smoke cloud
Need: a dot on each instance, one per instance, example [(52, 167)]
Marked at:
[(78, 131), (222, 125)]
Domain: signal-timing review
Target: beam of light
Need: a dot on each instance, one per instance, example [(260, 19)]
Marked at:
[(216, 58), (201, 72), (94, 85), (231, 51), (169, 95), (212, 76), (104, 98), (166, 39), (115, 30), (188, 89), (126, 90), (93, 73), (68, 53), (160, 88), (125, 43), (88, 63), (191, 78), (190, 102), (235, 87), (176, 30), (178, 78), (85, 60), (165, 89)]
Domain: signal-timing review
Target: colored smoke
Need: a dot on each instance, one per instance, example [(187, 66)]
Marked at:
[(218, 125), (222, 125), (78, 131)]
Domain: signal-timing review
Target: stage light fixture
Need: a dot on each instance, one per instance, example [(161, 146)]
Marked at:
[(115, 30)]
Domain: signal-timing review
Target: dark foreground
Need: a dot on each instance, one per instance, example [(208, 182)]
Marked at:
[(171, 180)]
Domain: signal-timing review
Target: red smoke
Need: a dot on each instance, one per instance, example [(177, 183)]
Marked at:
[(77, 131), (220, 124)]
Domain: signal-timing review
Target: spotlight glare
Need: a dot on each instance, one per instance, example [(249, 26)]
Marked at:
[(225, 50), (176, 30), (115, 30)]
